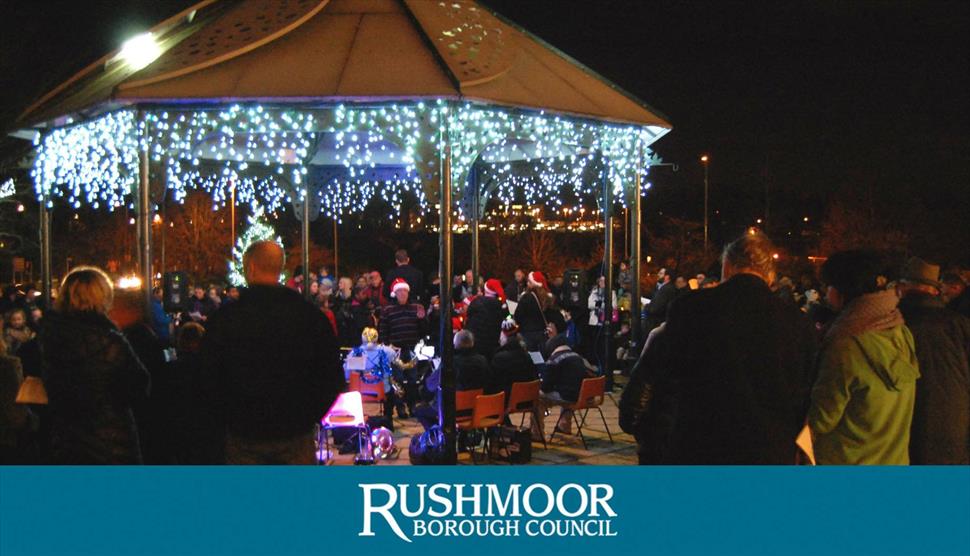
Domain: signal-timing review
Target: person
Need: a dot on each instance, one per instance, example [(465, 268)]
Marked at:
[(563, 377), (376, 289), (656, 311), (940, 434), (471, 367), (597, 319), (324, 274), (511, 362), (15, 330), (199, 439), (624, 278), (517, 286), (484, 318), (400, 324), (15, 421), (272, 366), (956, 293), (200, 305), (726, 379), (862, 401), (214, 299), (464, 287), (343, 301), (161, 322), (92, 376), (529, 314), (405, 270), (379, 365), (363, 311), (34, 316), (296, 281)]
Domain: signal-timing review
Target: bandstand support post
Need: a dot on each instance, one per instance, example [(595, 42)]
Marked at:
[(144, 215), (305, 238), (473, 178), (637, 217), (607, 328), (446, 392), (45, 252)]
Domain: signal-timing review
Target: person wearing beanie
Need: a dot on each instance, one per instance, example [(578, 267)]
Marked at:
[(511, 362), (484, 317), (529, 314), (940, 434)]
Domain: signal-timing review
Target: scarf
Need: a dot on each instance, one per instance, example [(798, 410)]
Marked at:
[(867, 313)]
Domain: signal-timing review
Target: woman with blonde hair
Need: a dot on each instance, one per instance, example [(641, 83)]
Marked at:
[(93, 377)]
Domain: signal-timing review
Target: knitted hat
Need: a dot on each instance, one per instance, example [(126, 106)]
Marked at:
[(398, 284), (494, 287), (536, 278), (509, 327)]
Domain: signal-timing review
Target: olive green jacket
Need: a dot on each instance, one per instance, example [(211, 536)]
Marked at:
[(862, 402)]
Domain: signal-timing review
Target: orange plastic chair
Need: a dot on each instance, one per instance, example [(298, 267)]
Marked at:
[(370, 393), (524, 399), (591, 395), (465, 406), (489, 411)]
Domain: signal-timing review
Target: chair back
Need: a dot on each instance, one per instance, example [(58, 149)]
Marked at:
[(465, 404), (591, 393), (489, 411), (371, 393), (523, 397)]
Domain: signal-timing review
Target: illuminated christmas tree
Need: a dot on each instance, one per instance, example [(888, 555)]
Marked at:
[(258, 230)]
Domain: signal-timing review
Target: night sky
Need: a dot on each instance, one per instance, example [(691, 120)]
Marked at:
[(813, 100)]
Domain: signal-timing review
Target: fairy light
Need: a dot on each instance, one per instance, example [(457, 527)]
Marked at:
[(345, 156)]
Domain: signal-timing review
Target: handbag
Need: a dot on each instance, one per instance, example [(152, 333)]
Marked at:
[(428, 448), (32, 391)]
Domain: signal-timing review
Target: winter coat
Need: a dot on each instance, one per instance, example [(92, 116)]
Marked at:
[(272, 364), (511, 363), (656, 311), (93, 380), (726, 381), (862, 402), (484, 320), (531, 321), (564, 373), (596, 307), (940, 434), (471, 370)]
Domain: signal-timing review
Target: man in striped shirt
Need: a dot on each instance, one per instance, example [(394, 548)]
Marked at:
[(401, 326)]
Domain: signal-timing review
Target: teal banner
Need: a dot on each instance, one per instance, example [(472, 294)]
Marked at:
[(484, 510)]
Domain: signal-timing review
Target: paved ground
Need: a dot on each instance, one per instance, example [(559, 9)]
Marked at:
[(563, 450)]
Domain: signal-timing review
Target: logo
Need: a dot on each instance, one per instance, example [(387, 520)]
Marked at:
[(484, 510)]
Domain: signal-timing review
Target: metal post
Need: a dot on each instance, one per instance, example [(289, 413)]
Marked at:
[(704, 159), (45, 253), (635, 221), (163, 225), (305, 226), (607, 328), (144, 217), (446, 392), (473, 178), (336, 273), (232, 218)]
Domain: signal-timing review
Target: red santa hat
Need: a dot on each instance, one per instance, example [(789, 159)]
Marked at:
[(536, 278), (399, 284), (494, 287)]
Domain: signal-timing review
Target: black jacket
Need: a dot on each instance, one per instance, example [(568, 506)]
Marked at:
[(941, 418), (484, 320), (93, 379), (565, 371), (511, 363), (728, 381), (412, 276), (272, 364), (471, 370), (659, 305)]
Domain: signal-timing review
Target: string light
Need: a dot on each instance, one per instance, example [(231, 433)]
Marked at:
[(345, 156)]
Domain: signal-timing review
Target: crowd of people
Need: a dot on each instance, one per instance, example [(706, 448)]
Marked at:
[(732, 370)]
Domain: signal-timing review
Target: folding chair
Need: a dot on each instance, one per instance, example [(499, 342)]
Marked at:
[(591, 394), (524, 399)]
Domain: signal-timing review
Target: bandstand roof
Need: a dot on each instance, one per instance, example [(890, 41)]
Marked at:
[(325, 51)]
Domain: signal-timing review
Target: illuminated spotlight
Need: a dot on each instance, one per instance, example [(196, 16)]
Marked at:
[(704, 158), (129, 282), (758, 221), (805, 219), (131, 221), (20, 207), (752, 230), (139, 51), (157, 219), (774, 256)]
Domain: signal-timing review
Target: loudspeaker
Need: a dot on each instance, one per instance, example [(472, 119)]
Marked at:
[(574, 289), (175, 286)]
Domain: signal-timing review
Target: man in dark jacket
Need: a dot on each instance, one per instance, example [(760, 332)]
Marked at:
[(273, 366), (656, 311), (511, 362), (406, 271), (940, 434), (471, 369), (728, 379), (484, 318), (401, 322)]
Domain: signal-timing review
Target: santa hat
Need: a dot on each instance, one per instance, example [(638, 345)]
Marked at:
[(399, 284), (536, 278), (494, 287)]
